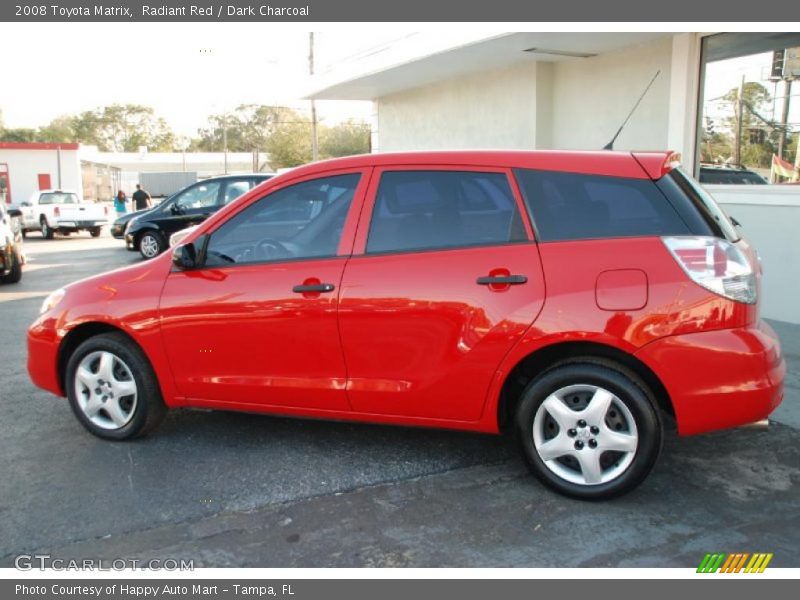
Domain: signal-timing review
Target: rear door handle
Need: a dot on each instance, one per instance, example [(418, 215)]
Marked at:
[(312, 289), (503, 280)]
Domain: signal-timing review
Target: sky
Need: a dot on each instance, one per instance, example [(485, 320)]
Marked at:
[(185, 71)]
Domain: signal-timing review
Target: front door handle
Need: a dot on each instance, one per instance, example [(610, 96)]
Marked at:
[(316, 288), (503, 280)]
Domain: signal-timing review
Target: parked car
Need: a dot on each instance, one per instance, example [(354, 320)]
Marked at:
[(61, 211), (149, 231), (569, 298), (720, 174), (12, 256)]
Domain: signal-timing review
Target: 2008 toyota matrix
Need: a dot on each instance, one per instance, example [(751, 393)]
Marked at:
[(571, 298)]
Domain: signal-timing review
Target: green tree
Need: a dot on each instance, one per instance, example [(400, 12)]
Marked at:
[(345, 139), (755, 98), (21, 134)]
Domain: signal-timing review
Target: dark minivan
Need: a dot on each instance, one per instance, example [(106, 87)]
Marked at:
[(149, 231)]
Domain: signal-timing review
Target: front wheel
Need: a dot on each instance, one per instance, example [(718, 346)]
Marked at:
[(112, 388), (151, 244), (589, 429)]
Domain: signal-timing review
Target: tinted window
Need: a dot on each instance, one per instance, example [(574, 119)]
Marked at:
[(704, 204), (304, 220), (418, 210), (569, 206)]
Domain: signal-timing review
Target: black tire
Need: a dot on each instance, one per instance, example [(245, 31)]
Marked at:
[(47, 231), (95, 231), (24, 233), (15, 273), (149, 408), (624, 470), (151, 243)]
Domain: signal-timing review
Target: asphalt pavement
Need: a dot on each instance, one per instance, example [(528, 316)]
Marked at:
[(228, 489)]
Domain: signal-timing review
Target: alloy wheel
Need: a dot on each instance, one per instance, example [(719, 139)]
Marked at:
[(105, 390)]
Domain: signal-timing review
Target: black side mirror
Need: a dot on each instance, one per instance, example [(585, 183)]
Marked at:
[(175, 209), (191, 255), (184, 257)]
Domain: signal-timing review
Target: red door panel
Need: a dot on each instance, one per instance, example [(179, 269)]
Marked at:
[(422, 338), (242, 335)]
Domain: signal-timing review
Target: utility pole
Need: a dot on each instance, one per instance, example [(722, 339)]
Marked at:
[(314, 149), (225, 141), (787, 93), (739, 118)]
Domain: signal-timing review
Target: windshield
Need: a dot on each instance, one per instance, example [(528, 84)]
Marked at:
[(58, 198), (705, 203)]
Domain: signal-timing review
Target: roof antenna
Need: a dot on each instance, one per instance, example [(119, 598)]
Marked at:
[(610, 145)]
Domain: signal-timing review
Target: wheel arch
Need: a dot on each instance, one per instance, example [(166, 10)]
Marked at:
[(542, 359), (76, 337)]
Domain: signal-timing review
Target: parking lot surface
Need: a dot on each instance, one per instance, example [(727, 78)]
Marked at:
[(231, 489)]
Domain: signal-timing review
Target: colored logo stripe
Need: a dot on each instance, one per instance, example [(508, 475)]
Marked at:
[(734, 563)]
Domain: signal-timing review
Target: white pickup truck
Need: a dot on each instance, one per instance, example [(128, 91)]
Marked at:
[(51, 211)]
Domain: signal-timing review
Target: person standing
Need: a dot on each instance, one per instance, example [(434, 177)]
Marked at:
[(141, 199), (119, 203)]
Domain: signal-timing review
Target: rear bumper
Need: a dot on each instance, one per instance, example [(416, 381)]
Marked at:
[(719, 379)]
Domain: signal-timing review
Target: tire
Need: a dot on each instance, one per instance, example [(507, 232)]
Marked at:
[(95, 231), (601, 424), (112, 388), (47, 231), (24, 234), (151, 244), (15, 274)]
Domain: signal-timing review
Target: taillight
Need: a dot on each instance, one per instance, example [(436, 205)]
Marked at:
[(717, 265), (57, 211)]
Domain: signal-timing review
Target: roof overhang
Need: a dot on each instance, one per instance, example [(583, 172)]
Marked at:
[(401, 66)]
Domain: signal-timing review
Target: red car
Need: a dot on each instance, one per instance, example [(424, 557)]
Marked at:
[(568, 297)]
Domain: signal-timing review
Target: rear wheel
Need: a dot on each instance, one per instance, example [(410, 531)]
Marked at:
[(151, 244), (47, 231), (95, 232), (15, 273), (589, 429), (112, 388)]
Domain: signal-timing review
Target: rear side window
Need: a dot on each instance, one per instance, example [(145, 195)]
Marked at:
[(570, 206), (424, 210)]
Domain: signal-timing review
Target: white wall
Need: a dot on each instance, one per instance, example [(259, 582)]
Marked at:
[(494, 109), (770, 218), (592, 97), (24, 166)]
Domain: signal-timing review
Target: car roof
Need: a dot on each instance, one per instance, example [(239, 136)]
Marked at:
[(621, 164)]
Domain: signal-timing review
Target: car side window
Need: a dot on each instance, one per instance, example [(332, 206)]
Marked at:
[(200, 196), (423, 210), (571, 206), (304, 220), (234, 189)]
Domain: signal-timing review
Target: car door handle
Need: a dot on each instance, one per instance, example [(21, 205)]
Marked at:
[(503, 280), (312, 289)]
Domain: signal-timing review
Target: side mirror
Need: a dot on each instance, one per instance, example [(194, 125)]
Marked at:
[(191, 255), (175, 209), (184, 257)]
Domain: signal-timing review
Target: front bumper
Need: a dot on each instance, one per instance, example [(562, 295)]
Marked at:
[(719, 379), (43, 344), (117, 231)]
